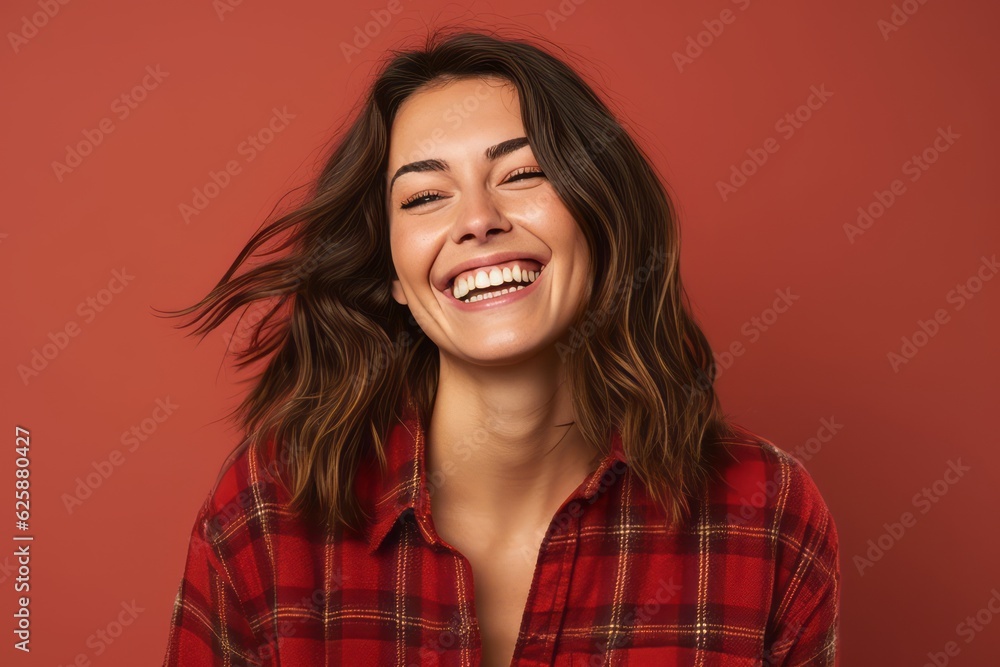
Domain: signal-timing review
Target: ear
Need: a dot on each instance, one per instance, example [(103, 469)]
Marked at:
[(397, 293)]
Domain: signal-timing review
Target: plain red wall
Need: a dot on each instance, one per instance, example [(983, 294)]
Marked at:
[(825, 358)]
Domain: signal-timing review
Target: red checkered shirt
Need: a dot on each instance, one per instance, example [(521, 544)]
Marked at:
[(752, 579)]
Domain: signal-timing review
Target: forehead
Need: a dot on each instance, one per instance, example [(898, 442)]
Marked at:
[(472, 113)]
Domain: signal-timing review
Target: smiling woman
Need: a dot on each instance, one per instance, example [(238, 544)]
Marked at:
[(488, 433)]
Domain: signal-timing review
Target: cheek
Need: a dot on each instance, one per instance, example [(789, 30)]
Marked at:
[(541, 205), (574, 242), (412, 256)]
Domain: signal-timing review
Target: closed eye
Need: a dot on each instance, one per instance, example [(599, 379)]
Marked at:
[(527, 172), (425, 197)]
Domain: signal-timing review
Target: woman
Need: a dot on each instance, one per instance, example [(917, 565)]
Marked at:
[(488, 432)]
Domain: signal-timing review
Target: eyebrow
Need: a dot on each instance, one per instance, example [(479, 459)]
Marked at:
[(492, 154)]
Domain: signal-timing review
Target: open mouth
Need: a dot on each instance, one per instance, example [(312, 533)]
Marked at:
[(495, 281)]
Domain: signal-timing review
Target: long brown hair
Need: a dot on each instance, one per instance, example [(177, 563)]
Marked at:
[(343, 354)]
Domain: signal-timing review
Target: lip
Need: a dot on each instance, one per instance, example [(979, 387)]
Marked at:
[(487, 260), (497, 301)]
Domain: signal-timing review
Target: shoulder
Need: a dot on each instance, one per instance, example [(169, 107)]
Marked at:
[(246, 488), (764, 500), (238, 524), (768, 507), (758, 487), (754, 479)]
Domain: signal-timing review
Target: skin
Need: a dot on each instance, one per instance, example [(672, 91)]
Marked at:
[(502, 451)]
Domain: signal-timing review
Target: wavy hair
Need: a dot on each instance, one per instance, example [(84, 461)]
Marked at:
[(342, 355)]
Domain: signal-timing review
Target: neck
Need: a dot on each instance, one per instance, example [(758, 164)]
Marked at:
[(503, 450)]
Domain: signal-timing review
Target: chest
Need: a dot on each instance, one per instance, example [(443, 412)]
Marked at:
[(501, 583), (602, 595)]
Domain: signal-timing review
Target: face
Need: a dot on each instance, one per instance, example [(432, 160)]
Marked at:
[(470, 207)]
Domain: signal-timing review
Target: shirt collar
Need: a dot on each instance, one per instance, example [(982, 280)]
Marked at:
[(403, 486)]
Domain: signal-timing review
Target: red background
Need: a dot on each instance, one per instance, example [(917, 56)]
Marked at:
[(825, 358)]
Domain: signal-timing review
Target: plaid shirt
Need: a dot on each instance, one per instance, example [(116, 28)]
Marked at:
[(752, 579)]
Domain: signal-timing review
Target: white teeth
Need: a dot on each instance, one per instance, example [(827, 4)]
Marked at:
[(483, 280), (490, 295)]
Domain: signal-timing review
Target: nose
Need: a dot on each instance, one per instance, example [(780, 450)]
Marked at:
[(477, 217)]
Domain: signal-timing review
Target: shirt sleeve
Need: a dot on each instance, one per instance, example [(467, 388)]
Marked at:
[(805, 620), (208, 625)]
